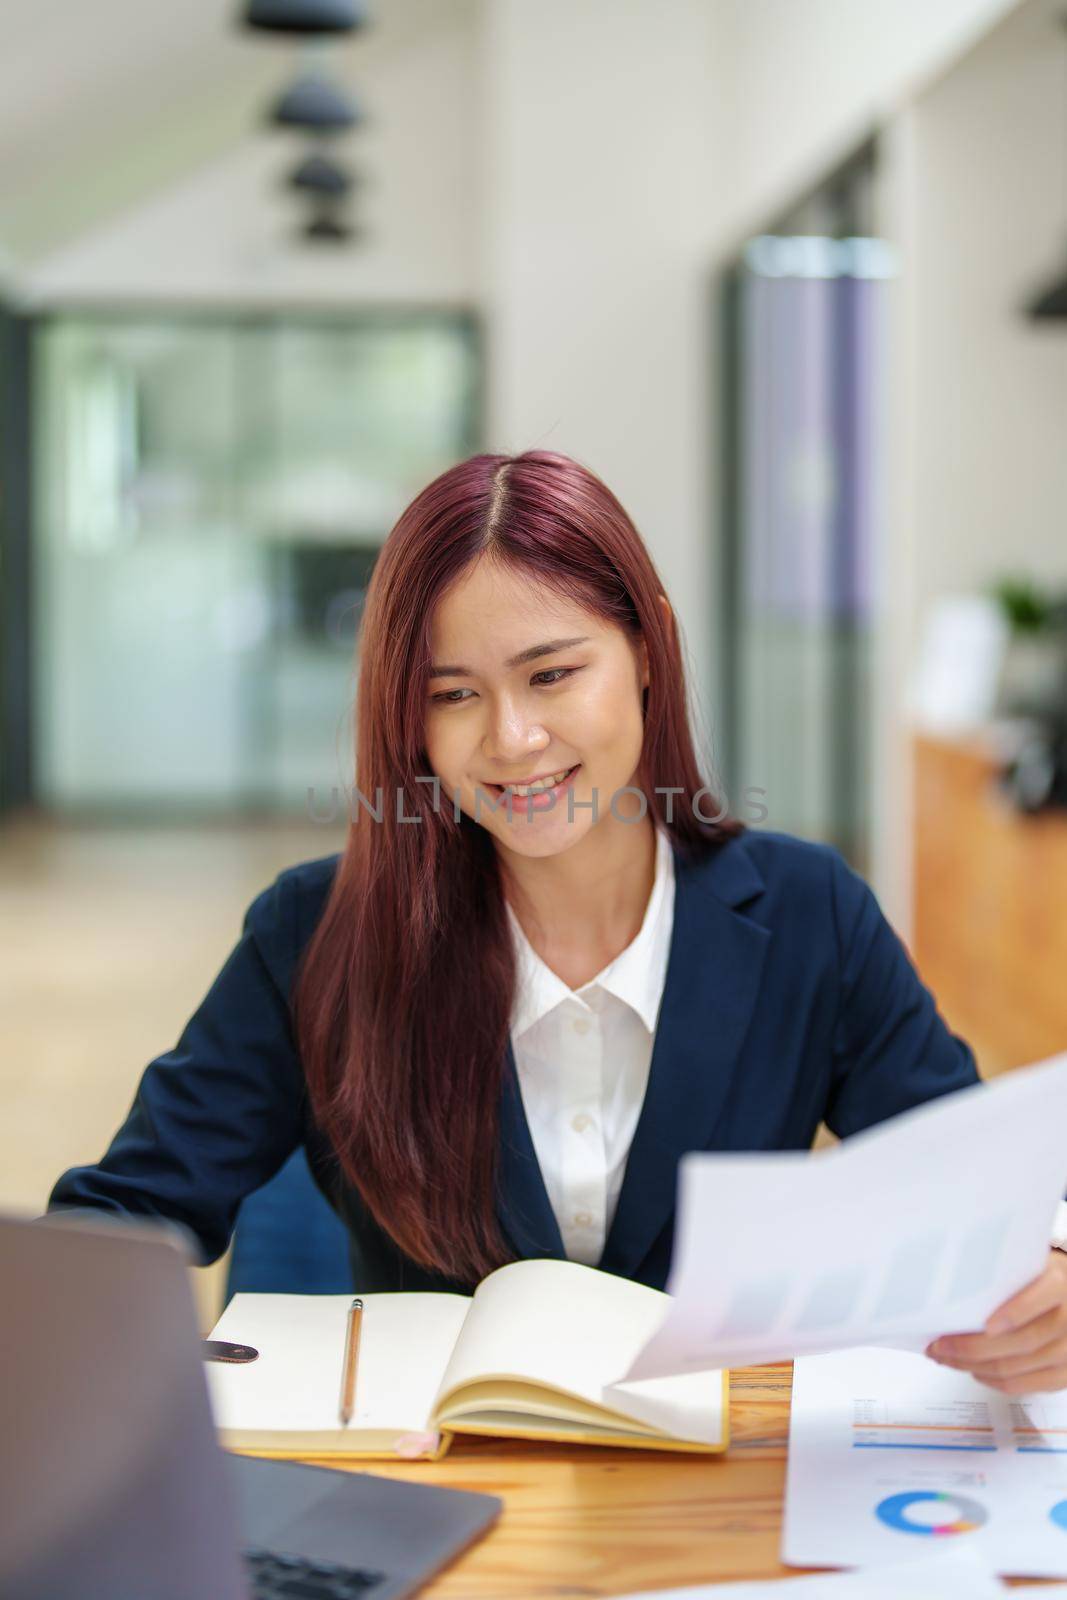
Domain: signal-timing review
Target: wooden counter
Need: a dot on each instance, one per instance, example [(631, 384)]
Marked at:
[(990, 908)]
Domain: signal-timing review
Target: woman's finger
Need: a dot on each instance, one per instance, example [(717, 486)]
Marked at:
[(1049, 1355), (1038, 1296), (1037, 1382), (964, 1349)]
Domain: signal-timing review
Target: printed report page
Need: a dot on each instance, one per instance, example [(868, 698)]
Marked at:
[(891, 1454)]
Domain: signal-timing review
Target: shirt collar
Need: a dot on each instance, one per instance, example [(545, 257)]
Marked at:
[(636, 976)]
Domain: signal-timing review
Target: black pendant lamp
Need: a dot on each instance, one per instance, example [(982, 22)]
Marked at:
[(327, 227), (305, 16), (315, 103), (318, 175), (1051, 303)]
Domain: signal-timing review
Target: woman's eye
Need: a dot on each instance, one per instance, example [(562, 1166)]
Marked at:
[(556, 674), (553, 674)]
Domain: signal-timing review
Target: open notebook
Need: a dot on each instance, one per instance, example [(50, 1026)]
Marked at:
[(530, 1355)]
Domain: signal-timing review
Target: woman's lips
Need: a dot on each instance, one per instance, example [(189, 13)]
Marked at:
[(543, 801)]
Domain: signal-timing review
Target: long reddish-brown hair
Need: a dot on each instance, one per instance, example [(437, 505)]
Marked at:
[(403, 1000)]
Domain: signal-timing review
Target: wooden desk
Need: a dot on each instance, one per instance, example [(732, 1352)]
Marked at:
[(594, 1521)]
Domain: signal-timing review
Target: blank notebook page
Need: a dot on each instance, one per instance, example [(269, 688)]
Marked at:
[(295, 1384)]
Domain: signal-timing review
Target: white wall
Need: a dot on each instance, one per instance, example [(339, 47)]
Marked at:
[(600, 177), (805, 80), (990, 388)]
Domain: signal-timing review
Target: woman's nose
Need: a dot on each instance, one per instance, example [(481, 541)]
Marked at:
[(513, 733)]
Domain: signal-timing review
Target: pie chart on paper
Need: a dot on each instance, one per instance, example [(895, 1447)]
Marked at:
[(930, 1512)]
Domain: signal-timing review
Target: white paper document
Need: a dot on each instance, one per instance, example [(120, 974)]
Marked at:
[(918, 1227), (943, 1574), (890, 1453)]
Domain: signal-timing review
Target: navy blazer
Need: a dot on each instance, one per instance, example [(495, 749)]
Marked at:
[(788, 1001)]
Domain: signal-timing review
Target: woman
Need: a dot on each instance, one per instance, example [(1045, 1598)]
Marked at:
[(496, 1022)]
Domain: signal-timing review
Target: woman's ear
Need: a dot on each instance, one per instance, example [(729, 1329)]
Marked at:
[(665, 607)]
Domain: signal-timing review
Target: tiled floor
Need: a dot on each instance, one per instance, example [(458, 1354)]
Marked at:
[(111, 935)]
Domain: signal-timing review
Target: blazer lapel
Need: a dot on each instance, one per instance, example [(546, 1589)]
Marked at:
[(714, 970), (523, 1207)]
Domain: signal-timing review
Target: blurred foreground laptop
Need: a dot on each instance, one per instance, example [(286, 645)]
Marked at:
[(112, 1482)]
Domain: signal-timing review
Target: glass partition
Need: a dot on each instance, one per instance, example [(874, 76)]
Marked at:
[(212, 492), (804, 378)]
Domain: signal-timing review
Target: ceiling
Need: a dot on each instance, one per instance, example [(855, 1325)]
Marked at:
[(104, 104)]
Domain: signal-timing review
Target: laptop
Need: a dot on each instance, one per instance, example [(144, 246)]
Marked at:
[(112, 1482)]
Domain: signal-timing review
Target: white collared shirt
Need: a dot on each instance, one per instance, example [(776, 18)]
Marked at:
[(582, 1058)]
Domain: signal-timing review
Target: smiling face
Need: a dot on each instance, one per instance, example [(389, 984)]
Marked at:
[(493, 720)]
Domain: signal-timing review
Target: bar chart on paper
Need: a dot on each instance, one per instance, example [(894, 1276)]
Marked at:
[(886, 1423), (890, 1454), (1039, 1426), (960, 1194)]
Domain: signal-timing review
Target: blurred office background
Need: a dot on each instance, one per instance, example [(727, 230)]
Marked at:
[(769, 266)]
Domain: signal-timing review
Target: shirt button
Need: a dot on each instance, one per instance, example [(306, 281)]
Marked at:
[(583, 1219), (581, 1122), (580, 1024)]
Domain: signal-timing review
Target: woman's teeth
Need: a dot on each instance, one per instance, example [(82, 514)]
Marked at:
[(536, 788)]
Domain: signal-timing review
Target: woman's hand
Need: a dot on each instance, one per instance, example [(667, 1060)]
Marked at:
[(1024, 1346)]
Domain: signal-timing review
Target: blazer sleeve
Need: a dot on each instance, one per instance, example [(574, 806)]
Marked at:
[(891, 1047), (216, 1116)]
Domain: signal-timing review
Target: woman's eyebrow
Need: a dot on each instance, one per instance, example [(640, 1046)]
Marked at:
[(531, 654)]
